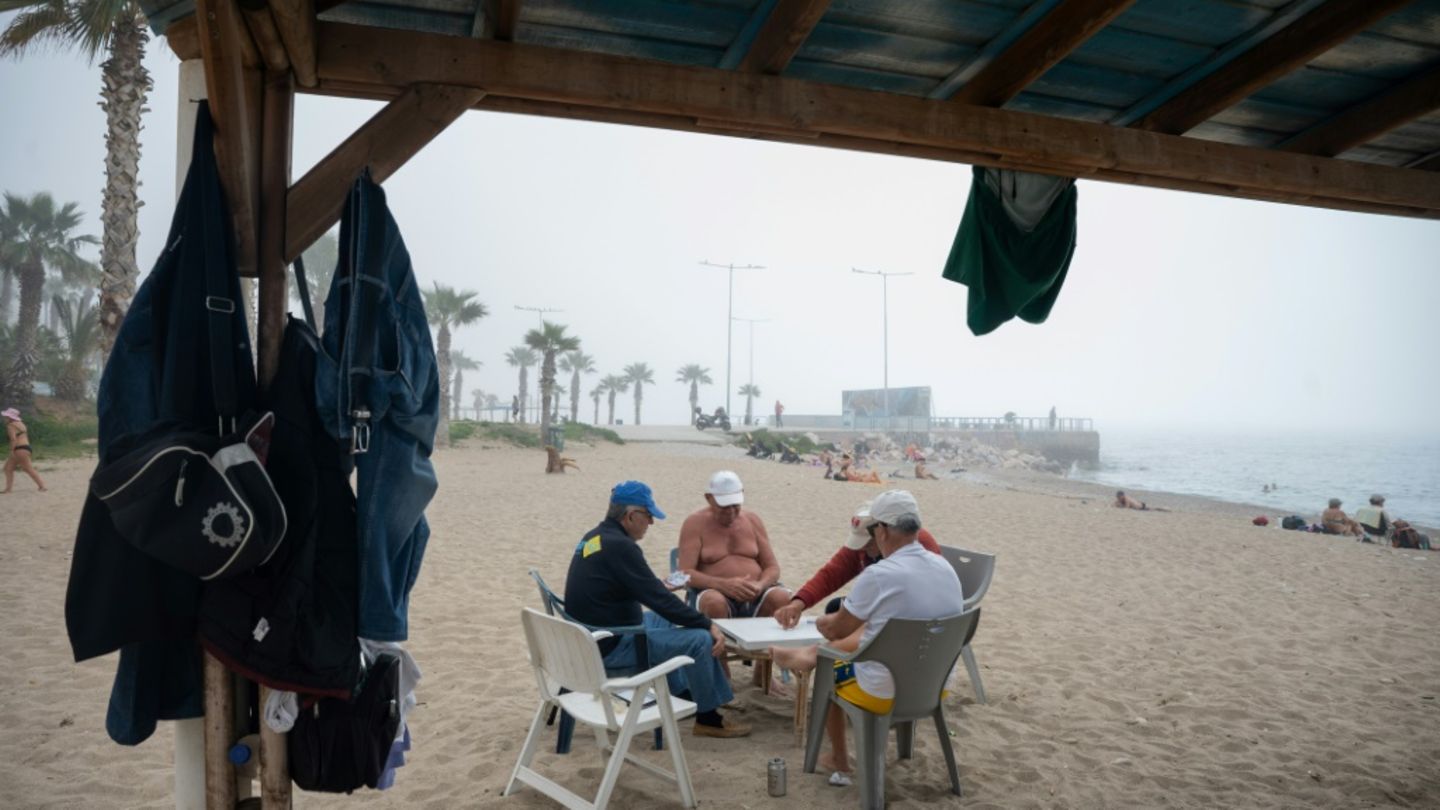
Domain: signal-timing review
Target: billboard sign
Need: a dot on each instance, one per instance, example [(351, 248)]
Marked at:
[(871, 402)]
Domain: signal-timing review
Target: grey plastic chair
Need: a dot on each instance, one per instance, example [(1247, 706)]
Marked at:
[(975, 569), (920, 655)]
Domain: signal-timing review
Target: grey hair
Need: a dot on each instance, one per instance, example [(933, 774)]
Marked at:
[(616, 511), (1377, 500), (907, 524), (1334, 503)]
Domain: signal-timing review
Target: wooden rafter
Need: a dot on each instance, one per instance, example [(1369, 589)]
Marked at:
[(267, 39), (1298, 43), (384, 144), (364, 61), (295, 21), (1042, 47), (1412, 98), (507, 17), (232, 81), (786, 29)]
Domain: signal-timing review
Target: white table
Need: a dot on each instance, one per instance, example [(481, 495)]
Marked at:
[(753, 638)]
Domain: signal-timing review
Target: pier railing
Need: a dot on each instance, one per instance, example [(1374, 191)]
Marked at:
[(1065, 424)]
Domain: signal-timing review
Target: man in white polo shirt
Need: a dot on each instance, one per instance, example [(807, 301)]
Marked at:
[(909, 583)]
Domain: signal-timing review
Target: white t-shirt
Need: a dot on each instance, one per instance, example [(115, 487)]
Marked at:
[(912, 583)]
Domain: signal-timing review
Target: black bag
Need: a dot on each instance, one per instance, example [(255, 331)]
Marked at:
[(198, 502), (338, 746), (1293, 522)]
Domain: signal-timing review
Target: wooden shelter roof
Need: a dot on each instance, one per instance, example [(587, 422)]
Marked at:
[(1239, 97)]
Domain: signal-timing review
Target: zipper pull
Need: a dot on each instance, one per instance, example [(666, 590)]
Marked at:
[(180, 484)]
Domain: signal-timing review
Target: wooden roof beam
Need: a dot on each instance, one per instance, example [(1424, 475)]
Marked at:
[(1368, 120), (233, 85), (1040, 48), (361, 57), (1287, 50), (295, 20), (784, 32), (266, 37), (384, 144)]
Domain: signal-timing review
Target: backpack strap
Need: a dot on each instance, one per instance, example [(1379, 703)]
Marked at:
[(303, 288), (220, 284)]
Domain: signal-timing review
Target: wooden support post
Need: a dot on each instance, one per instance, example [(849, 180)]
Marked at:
[(384, 143), (295, 21), (232, 80), (219, 736), (266, 36), (275, 143)]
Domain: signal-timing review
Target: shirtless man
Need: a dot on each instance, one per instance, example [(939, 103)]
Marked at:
[(1336, 521), (727, 554), (1124, 501)]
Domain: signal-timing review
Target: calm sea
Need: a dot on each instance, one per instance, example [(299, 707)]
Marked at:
[(1309, 469)]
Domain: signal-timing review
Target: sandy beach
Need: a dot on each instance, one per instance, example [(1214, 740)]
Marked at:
[(1132, 659)]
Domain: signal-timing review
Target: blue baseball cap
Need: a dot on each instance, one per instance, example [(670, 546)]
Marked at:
[(636, 493)]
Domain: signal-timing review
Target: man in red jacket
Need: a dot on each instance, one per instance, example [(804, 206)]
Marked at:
[(859, 552)]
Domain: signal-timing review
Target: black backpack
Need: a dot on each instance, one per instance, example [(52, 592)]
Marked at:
[(338, 746), (1293, 522)]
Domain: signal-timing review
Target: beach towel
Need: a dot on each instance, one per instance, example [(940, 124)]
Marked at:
[(1014, 246)]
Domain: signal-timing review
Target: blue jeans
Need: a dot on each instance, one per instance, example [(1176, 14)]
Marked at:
[(705, 680), (376, 355)]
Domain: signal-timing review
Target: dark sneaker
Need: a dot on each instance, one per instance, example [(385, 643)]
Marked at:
[(729, 728)]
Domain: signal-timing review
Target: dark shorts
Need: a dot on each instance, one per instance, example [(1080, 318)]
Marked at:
[(743, 610)]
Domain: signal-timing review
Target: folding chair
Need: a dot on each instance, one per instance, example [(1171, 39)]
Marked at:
[(919, 655), (571, 675), (975, 569), (555, 606)]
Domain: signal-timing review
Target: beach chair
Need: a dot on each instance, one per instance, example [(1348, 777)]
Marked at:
[(555, 606), (571, 675), (975, 569), (920, 655)]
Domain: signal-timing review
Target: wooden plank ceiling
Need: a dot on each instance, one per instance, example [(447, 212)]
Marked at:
[(1332, 103)]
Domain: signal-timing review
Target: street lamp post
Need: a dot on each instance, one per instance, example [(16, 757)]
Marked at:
[(729, 317), (752, 322), (885, 308)]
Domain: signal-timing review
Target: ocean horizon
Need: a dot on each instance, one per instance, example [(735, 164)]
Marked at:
[(1308, 468)]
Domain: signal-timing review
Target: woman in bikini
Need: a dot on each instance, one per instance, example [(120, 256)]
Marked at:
[(20, 452)]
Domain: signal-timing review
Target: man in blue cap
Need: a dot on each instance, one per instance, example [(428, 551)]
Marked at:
[(608, 583)]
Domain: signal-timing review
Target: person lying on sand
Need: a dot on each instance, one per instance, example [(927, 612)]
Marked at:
[(922, 473), (1124, 501), (1336, 521), (886, 555)]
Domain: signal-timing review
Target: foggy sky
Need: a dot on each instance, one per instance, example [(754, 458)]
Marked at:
[(1179, 310)]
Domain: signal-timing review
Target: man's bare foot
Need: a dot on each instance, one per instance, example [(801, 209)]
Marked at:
[(795, 659), (827, 763)]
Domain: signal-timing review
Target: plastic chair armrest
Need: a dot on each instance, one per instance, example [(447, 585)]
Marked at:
[(599, 635), (648, 675)]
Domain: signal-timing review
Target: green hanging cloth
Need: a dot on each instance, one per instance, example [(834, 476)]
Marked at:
[(1014, 246)]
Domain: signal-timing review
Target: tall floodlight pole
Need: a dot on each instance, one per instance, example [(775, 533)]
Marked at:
[(885, 308), (540, 313), (730, 317), (752, 322)]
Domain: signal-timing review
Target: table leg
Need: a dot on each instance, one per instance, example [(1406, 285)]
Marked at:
[(802, 705)]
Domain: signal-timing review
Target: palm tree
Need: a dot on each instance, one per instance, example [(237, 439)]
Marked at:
[(750, 391), (80, 324), (462, 364), (479, 400), (614, 384), (549, 340), (595, 394), (446, 308), (43, 237), (523, 358), (8, 271), (118, 28), (638, 374), (577, 363), (696, 376)]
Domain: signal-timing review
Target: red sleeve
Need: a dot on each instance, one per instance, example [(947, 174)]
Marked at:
[(844, 566), (928, 541)]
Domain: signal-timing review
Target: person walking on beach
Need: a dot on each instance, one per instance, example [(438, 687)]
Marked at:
[(20, 452), (606, 585), (779, 412)]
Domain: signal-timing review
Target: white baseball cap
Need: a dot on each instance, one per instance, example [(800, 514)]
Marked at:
[(892, 505), (859, 528), (726, 488)]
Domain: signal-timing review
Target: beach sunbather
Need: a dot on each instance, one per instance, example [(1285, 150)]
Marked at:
[(20, 452), (1373, 518), (1336, 521), (1124, 501)]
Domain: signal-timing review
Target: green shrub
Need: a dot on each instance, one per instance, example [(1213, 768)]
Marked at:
[(54, 438), (579, 432)]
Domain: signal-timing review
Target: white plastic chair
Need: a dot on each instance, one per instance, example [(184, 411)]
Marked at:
[(975, 569), (565, 656), (919, 654)]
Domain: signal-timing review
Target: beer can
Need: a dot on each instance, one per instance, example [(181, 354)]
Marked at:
[(775, 777)]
